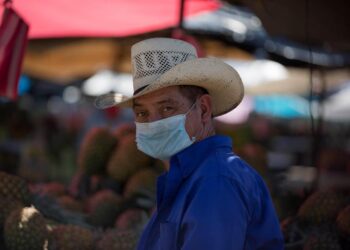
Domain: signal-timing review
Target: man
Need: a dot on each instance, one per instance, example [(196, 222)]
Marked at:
[(209, 198)]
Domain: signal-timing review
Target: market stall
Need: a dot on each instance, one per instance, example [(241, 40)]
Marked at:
[(71, 176)]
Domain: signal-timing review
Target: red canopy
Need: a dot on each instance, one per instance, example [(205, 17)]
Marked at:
[(104, 18)]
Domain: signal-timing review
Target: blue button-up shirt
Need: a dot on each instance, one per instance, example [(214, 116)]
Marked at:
[(211, 199)]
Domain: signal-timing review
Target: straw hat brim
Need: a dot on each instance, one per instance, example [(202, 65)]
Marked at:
[(220, 80)]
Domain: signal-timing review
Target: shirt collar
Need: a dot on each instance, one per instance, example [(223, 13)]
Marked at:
[(192, 156)]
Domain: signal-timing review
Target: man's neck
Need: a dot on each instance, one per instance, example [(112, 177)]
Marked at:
[(208, 131)]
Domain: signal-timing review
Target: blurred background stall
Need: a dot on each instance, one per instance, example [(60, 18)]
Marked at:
[(76, 171)]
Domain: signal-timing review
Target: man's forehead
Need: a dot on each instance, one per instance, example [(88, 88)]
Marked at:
[(164, 96)]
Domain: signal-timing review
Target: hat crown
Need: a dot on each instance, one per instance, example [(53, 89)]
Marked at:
[(153, 57)]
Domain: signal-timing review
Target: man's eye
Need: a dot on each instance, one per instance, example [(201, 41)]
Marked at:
[(165, 109), (141, 114)]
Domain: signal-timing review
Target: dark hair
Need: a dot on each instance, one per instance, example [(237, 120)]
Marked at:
[(192, 92)]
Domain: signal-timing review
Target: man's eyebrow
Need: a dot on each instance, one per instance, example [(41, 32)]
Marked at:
[(166, 101), (170, 101), (135, 104)]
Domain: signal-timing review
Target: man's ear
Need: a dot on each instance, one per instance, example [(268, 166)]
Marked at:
[(206, 107)]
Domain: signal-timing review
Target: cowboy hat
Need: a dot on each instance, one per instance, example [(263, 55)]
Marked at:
[(162, 62)]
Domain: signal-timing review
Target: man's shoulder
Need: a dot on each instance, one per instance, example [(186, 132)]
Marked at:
[(228, 165)]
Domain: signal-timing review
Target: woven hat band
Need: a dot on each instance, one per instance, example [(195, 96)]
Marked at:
[(157, 62)]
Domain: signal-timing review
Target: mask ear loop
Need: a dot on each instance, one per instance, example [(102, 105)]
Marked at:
[(194, 104), (193, 138)]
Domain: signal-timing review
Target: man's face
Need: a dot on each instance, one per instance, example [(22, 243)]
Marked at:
[(165, 103)]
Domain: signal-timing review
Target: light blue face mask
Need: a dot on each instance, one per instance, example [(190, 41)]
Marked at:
[(163, 138)]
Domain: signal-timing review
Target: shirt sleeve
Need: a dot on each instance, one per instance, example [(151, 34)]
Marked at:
[(217, 216)]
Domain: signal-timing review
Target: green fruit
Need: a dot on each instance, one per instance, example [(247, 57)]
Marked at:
[(131, 218), (321, 207), (70, 237), (125, 129), (343, 222), (126, 159), (25, 229), (104, 208), (7, 205), (70, 203), (95, 151), (119, 240), (144, 179), (322, 240), (14, 187)]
